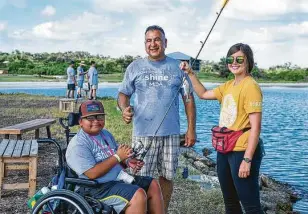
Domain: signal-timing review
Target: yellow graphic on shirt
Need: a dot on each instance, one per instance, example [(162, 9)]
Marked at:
[(228, 112)]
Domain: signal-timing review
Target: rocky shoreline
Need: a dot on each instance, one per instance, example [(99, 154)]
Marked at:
[(276, 197)]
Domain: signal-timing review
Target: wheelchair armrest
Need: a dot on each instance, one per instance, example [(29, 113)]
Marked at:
[(82, 182), (72, 134)]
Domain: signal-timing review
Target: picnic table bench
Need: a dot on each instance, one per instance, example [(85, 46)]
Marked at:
[(20, 128), (18, 155)]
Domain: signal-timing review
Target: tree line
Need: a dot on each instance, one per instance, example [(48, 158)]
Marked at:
[(19, 62)]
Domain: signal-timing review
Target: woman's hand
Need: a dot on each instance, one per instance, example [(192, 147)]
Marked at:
[(186, 68), (124, 152), (244, 170)]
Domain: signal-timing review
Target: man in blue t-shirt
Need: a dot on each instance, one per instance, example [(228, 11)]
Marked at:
[(93, 80), (94, 154), (156, 82), (71, 80)]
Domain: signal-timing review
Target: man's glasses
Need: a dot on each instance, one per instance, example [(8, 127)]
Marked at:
[(95, 117), (238, 59)]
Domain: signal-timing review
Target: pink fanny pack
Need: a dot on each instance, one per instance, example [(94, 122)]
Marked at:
[(224, 139)]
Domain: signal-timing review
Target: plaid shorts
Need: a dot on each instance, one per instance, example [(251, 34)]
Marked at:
[(162, 155)]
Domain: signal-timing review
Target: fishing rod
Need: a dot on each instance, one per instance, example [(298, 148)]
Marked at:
[(183, 81), (208, 35)]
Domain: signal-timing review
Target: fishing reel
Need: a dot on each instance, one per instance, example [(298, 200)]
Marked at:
[(138, 149)]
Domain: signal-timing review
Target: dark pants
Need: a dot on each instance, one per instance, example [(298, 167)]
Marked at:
[(237, 189)]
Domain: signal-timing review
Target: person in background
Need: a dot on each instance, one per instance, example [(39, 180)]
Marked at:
[(93, 80), (94, 154), (156, 81), (80, 78), (241, 108), (71, 80)]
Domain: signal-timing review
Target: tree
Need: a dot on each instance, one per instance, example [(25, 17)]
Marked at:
[(221, 68)]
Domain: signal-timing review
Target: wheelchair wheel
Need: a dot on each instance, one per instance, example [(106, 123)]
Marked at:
[(62, 202)]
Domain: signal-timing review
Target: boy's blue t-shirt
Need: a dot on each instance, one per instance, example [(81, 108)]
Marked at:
[(155, 84), (83, 154)]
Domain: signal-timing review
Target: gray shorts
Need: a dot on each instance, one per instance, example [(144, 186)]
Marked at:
[(162, 155)]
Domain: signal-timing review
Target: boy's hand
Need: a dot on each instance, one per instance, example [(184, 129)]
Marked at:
[(124, 152), (135, 164)]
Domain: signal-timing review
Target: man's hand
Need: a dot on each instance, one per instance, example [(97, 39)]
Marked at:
[(127, 114), (124, 152), (190, 138)]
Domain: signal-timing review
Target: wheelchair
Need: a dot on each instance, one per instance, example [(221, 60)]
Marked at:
[(65, 200)]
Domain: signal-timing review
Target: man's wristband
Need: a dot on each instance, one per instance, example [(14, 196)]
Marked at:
[(117, 157)]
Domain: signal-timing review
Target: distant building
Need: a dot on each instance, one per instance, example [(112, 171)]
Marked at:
[(4, 72), (184, 57)]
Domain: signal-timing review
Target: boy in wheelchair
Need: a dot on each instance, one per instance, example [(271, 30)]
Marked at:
[(93, 154)]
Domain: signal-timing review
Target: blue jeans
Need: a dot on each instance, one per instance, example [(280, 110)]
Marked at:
[(236, 189)]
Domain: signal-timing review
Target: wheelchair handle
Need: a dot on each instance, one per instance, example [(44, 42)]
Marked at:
[(62, 123), (60, 153)]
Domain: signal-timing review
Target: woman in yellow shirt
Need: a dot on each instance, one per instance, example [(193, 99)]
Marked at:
[(241, 108)]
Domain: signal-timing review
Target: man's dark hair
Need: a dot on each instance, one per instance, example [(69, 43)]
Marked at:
[(155, 27), (247, 52), (92, 62)]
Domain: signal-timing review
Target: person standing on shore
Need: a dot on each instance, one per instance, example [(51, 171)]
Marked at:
[(241, 110), (80, 78), (155, 81), (71, 80), (93, 80)]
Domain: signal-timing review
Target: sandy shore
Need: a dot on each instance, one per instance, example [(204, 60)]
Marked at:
[(112, 85)]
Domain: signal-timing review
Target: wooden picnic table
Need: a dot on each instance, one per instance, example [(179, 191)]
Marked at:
[(20, 128), (18, 155)]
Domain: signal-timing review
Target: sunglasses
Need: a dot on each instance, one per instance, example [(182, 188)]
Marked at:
[(95, 117), (238, 59)]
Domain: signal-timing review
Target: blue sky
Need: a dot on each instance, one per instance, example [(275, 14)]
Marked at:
[(277, 30)]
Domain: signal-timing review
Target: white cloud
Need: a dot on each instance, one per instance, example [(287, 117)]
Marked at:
[(75, 28), (18, 3), (133, 5), (272, 45), (48, 11), (263, 9), (3, 26)]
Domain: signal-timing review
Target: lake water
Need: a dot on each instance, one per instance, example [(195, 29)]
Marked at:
[(284, 131)]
